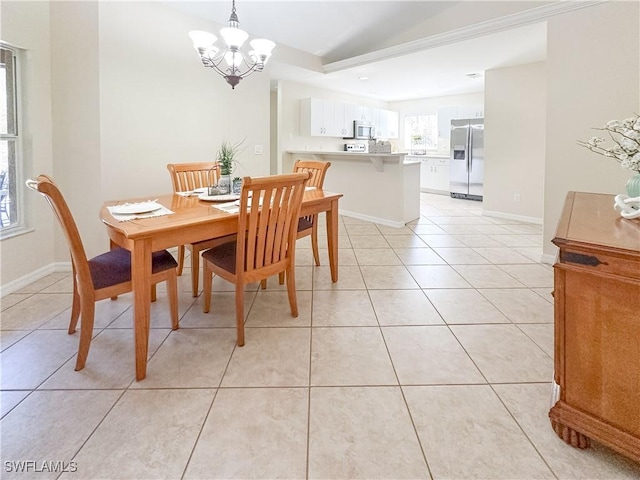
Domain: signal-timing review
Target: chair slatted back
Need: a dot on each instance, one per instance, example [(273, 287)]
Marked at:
[(46, 186), (266, 235), (189, 176), (317, 169)]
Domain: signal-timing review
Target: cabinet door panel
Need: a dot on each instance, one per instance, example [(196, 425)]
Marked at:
[(426, 173), (339, 121), (441, 180), (602, 351), (392, 124)]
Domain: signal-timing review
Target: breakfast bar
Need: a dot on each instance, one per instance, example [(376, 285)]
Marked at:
[(378, 187)]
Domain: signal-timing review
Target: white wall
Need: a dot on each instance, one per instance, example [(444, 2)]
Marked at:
[(515, 119), (75, 85), (26, 25), (159, 105), (593, 72), (426, 106)]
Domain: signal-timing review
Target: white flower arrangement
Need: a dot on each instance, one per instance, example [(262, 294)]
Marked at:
[(625, 135)]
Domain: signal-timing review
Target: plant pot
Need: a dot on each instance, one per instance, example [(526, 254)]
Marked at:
[(224, 184)]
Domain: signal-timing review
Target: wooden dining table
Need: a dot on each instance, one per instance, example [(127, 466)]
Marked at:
[(192, 220)]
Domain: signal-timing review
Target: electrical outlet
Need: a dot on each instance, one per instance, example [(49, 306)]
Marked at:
[(516, 197)]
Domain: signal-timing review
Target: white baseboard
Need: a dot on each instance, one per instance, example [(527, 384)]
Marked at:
[(368, 218), (511, 216), (34, 276), (548, 259)]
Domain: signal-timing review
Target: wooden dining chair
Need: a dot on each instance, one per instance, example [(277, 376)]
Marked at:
[(265, 243), (186, 177), (105, 276), (308, 225)]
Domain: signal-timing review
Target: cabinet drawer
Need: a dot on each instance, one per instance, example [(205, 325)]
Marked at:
[(599, 261)]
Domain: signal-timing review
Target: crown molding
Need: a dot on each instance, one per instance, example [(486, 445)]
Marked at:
[(507, 22)]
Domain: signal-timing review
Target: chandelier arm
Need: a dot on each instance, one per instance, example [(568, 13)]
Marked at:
[(215, 64), (216, 67)]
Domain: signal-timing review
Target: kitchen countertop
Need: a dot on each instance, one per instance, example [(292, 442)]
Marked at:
[(342, 153), (378, 159)]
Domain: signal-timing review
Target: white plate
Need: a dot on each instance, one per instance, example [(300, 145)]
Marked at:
[(135, 208), (218, 198)]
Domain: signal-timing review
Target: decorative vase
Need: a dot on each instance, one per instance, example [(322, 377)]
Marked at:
[(633, 186), (237, 186), (224, 184)]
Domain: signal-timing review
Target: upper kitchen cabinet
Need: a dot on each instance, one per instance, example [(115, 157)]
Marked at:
[(344, 114), (470, 111), (364, 114), (317, 118), (326, 118), (393, 123), (445, 115), (386, 123)]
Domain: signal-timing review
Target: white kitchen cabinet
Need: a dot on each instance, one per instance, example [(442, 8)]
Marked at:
[(434, 174), (317, 118), (326, 118), (342, 119), (392, 123), (350, 115), (470, 111), (445, 115), (364, 114), (386, 123)]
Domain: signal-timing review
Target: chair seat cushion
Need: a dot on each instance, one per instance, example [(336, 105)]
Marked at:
[(114, 266), (304, 224), (224, 256)]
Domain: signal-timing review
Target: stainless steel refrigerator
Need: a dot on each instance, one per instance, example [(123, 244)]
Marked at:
[(466, 165)]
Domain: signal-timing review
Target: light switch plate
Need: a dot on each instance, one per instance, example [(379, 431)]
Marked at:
[(257, 149)]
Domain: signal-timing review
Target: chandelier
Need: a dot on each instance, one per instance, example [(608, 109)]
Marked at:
[(231, 62)]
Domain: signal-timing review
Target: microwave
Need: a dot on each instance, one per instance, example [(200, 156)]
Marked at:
[(363, 131)]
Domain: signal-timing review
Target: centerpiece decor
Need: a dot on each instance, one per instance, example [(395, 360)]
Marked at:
[(226, 159), (625, 135)]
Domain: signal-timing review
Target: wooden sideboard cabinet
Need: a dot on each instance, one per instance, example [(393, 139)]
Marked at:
[(597, 325)]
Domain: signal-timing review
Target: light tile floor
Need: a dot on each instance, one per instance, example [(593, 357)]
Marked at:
[(430, 358)]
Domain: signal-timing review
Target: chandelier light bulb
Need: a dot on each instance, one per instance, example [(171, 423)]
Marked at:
[(201, 39), (262, 47), (233, 59), (234, 37)]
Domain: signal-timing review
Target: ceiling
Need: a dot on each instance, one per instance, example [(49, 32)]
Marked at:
[(391, 43)]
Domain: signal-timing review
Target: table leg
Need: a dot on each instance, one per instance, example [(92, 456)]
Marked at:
[(141, 283), (332, 239)]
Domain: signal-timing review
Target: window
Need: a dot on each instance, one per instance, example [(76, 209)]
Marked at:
[(10, 213), (421, 133)]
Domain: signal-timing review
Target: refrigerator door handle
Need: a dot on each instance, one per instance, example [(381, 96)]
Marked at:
[(470, 167)]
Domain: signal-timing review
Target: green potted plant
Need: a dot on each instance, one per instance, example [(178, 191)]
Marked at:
[(226, 158)]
